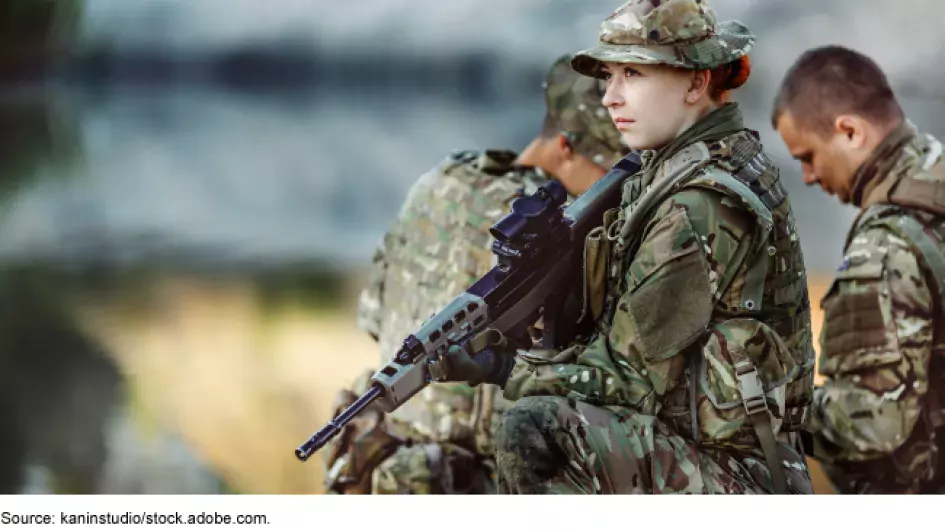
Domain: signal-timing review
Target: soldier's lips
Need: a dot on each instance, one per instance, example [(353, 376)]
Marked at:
[(623, 123)]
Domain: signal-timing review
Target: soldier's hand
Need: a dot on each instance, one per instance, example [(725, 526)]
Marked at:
[(486, 358), (352, 456)]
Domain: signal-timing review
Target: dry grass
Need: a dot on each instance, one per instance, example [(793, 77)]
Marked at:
[(242, 387)]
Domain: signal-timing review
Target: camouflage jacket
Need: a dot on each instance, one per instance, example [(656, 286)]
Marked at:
[(712, 282), (438, 246), (874, 415)]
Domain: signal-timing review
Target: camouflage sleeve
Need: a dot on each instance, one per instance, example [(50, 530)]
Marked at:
[(689, 255), (876, 347)]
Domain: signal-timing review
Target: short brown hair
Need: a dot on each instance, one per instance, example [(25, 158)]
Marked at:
[(829, 81)]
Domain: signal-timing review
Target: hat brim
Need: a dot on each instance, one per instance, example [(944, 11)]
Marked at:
[(732, 41)]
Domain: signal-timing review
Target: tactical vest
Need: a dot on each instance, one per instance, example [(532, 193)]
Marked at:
[(914, 210), (774, 295)]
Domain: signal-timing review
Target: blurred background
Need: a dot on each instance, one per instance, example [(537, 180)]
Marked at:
[(191, 192)]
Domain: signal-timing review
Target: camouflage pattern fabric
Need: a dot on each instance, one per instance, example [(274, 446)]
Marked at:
[(573, 447), (435, 468), (680, 33), (652, 402), (875, 415), (439, 245)]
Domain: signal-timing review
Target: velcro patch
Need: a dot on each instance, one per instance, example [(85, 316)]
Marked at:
[(854, 321)]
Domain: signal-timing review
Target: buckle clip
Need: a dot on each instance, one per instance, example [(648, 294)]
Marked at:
[(750, 386)]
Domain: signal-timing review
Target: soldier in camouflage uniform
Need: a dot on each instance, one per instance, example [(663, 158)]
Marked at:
[(441, 441), (697, 375), (877, 419)]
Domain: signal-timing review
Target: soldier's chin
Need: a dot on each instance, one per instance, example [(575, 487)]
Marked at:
[(638, 141)]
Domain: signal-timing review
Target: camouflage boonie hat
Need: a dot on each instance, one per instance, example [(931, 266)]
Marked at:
[(680, 33), (573, 103)]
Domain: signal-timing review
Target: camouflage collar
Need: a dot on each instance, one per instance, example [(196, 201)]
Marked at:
[(877, 170), (718, 124)]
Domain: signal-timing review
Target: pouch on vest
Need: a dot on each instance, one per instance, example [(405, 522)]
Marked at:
[(597, 250), (734, 353)]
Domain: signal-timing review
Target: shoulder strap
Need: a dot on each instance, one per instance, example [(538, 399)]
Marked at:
[(904, 225), (745, 194), (659, 192), (753, 292), (928, 251)]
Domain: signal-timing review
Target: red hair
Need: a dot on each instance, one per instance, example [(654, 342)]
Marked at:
[(729, 77)]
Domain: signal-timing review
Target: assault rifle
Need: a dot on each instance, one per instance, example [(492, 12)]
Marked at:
[(539, 244)]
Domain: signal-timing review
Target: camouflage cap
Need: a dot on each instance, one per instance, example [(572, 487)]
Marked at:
[(573, 104), (681, 33)]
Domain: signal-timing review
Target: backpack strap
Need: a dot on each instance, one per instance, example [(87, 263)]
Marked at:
[(756, 406)]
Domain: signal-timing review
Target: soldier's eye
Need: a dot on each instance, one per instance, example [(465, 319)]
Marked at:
[(631, 72)]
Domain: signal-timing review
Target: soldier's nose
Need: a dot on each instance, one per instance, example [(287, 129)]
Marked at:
[(611, 97)]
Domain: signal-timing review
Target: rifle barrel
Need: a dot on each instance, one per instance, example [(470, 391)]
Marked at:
[(322, 436)]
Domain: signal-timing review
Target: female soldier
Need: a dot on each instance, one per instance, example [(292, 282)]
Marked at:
[(697, 376)]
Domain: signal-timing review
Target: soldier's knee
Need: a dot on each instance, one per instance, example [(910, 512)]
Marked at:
[(526, 452)]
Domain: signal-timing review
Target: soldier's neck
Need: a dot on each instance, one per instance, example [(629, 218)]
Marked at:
[(871, 175), (576, 173), (533, 155)]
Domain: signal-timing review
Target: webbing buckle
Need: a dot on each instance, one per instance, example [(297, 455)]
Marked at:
[(749, 385)]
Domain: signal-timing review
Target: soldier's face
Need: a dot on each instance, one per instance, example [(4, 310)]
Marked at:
[(827, 160), (647, 103)]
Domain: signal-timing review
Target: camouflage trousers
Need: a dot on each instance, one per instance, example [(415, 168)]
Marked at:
[(883, 476), (553, 445), (434, 468)]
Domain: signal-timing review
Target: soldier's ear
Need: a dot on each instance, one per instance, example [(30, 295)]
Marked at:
[(853, 129), (564, 146), (699, 85)]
